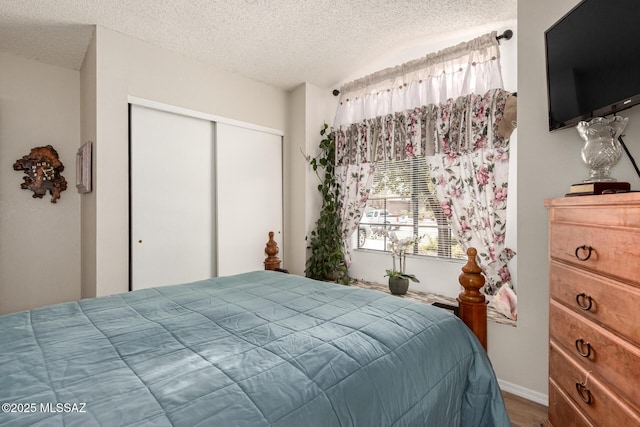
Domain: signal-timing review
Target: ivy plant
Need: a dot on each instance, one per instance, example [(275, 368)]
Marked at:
[(327, 255)]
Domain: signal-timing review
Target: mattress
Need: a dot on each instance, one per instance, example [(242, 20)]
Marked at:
[(255, 349)]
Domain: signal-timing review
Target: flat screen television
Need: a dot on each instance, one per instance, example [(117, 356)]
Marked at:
[(593, 61)]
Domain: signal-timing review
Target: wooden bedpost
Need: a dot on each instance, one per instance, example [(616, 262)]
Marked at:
[(272, 262), (472, 303)]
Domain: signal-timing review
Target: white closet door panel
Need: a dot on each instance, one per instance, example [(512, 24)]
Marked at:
[(172, 226), (249, 196)]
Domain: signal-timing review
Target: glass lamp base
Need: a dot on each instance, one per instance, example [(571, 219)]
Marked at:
[(600, 176), (601, 150)]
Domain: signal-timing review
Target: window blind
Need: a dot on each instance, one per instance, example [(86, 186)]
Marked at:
[(403, 201)]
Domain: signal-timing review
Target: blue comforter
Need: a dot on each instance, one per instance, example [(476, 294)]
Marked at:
[(254, 349)]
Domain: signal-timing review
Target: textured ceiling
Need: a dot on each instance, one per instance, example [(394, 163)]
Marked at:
[(279, 42)]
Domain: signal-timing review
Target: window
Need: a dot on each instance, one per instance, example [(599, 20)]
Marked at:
[(403, 201)]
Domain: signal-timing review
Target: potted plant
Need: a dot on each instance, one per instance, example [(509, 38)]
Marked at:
[(327, 254), (398, 278)]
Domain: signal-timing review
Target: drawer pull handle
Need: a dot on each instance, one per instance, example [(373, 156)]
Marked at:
[(581, 345), (581, 299), (584, 392), (583, 248)]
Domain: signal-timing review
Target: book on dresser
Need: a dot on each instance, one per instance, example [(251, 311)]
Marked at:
[(591, 188), (594, 323)]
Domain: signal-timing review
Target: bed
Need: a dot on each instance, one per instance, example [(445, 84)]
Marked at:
[(255, 349)]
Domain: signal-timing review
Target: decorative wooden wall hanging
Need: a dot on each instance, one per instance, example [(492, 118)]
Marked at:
[(42, 167)]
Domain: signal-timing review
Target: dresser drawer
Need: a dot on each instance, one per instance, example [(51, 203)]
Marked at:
[(611, 251), (588, 392), (605, 354), (622, 210), (562, 411), (611, 304)]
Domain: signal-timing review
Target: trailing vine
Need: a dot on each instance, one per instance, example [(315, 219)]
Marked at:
[(327, 256)]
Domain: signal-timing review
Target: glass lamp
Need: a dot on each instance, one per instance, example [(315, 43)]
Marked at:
[(601, 150)]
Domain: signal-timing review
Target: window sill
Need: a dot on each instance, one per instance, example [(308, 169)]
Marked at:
[(461, 261), (429, 298)]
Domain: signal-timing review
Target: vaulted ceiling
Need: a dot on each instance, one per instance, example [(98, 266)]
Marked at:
[(279, 42)]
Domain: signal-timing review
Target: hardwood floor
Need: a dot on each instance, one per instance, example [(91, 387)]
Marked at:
[(523, 412)]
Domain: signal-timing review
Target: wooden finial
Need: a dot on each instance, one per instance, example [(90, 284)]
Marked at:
[(272, 261), (471, 279), (472, 303)]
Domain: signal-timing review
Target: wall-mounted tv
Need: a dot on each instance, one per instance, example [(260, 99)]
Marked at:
[(593, 61)]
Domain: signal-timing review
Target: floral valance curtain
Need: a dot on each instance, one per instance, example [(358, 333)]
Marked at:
[(445, 107), (424, 131)]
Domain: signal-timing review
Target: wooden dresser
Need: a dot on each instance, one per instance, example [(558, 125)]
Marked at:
[(594, 310)]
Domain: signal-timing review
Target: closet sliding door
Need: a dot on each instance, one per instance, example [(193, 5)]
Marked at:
[(205, 192), (249, 196), (172, 208)]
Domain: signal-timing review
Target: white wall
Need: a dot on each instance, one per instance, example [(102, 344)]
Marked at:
[(129, 67), (39, 240), (88, 200), (309, 108), (295, 213)]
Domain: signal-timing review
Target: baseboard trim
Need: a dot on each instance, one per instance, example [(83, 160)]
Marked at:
[(525, 393)]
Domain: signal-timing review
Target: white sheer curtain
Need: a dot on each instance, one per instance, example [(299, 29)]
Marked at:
[(469, 67)]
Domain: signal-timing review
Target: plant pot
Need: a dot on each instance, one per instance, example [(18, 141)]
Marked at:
[(398, 286)]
